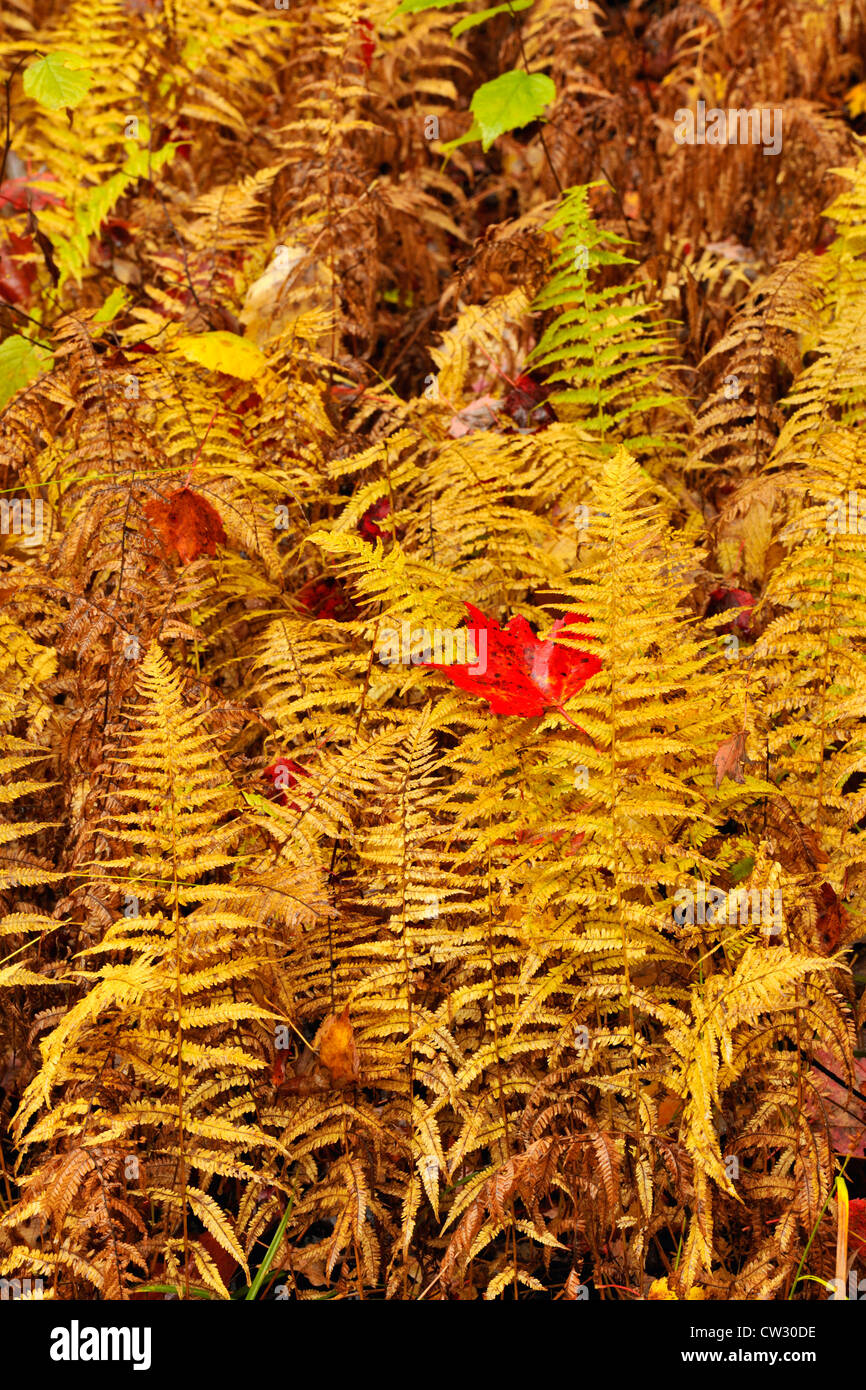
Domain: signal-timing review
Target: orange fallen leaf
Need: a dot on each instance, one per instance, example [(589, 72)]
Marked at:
[(187, 524), (668, 1107), (330, 1061), (337, 1049)]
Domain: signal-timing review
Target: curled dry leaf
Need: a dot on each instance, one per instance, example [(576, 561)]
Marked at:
[(480, 414), (332, 1061), (728, 760)]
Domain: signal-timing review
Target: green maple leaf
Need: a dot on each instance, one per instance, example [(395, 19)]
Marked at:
[(471, 20), (509, 102), (54, 84), (418, 6), (20, 362)]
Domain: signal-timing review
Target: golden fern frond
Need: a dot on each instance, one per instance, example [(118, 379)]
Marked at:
[(740, 419), (174, 1004), (830, 385), (810, 655)]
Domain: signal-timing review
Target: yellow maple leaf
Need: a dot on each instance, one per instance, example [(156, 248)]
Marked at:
[(223, 352), (855, 100), (659, 1289)]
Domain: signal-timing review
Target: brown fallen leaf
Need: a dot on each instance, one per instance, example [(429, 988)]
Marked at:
[(311, 1261), (728, 760), (305, 1083), (479, 414), (832, 918), (830, 1102)]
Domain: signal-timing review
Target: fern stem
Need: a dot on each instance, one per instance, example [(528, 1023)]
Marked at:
[(262, 1271), (550, 164), (179, 1006), (813, 1234)]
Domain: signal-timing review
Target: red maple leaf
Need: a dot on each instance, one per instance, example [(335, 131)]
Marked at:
[(830, 1101), (367, 525), (857, 1224), (16, 277), (722, 599), (187, 524), (518, 674), (19, 194), (281, 774), (526, 405), (326, 598), (368, 42)]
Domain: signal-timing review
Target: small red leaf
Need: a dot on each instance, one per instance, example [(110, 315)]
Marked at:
[(722, 599), (326, 598), (282, 775), (368, 42), (16, 278), (18, 194), (526, 404), (367, 525), (857, 1225)]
